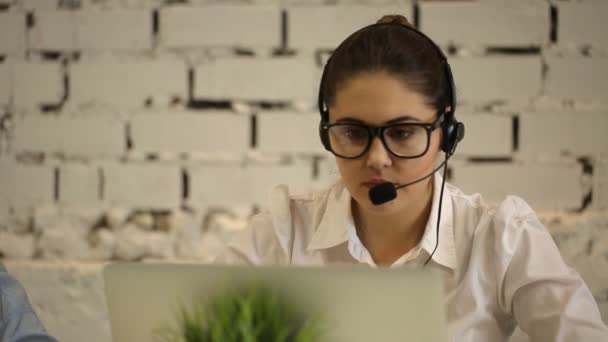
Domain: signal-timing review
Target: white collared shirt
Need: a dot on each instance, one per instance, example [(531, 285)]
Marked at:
[(501, 266)]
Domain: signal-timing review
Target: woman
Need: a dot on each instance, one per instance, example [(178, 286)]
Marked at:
[(387, 114)]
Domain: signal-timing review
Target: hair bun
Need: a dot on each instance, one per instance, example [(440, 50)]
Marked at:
[(395, 19)]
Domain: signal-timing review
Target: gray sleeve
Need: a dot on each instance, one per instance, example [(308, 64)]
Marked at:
[(18, 322)]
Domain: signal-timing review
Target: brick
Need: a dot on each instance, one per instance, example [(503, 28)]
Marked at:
[(152, 186), (206, 26), (114, 29), (80, 136), (486, 134), (486, 23), (268, 79), (544, 185), (581, 133), (12, 33), (185, 132), (53, 30), (38, 5), (37, 83), (6, 83), (332, 24), (25, 186), (600, 187), (581, 23), (288, 132), (234, 185), (486, 79), (589, 74), (79, 185), (127, 84)]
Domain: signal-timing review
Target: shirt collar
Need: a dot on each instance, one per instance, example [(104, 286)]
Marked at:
[(333, 228)]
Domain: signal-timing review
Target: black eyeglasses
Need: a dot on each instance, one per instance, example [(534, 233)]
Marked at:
[(403, 140)]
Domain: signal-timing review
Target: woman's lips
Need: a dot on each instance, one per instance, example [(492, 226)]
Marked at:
[(372, 183)]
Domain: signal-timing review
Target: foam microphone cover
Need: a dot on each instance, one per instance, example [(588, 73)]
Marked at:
[(382, 193)]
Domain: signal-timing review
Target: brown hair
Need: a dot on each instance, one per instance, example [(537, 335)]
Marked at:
[(402, 53)]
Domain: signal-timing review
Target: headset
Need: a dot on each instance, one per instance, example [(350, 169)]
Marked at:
[(452, 129)]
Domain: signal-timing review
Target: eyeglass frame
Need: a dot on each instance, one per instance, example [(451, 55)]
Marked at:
[(378, 132)]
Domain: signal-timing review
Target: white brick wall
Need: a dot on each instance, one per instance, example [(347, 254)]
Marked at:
[(577, 78), (554, 133), (491, 78), (114, 29), (25, 186), (581, 23), (12, 33), (486, 134), (220, 25), (289, 132), (191, 132), (35, 84), (270, 79), (79, 185), (74, 136), (142, 185), (333, 23), (95, 82), (53, 30), (486, 23), (548, 185), (233, 184)]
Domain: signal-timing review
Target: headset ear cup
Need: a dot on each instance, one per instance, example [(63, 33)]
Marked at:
[(451, 129)]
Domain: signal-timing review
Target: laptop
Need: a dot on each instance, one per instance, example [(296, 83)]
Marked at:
[(154, 302)]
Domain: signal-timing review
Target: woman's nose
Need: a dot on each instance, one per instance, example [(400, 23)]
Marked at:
[(378, 157)]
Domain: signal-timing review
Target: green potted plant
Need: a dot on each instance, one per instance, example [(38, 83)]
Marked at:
[(247, 314)]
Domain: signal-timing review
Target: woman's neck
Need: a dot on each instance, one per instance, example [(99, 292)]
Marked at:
[(388, 237)]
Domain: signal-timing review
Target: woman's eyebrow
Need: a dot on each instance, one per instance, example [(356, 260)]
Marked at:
[(392, 121)]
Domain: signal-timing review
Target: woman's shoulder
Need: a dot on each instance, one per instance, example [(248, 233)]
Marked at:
[(500, 224)]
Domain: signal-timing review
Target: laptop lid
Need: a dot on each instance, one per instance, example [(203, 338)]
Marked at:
[(146, 301)]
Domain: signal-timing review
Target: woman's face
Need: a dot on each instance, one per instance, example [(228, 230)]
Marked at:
[(375, 98)]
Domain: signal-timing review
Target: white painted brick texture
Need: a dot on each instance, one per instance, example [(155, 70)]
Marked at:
[(234, 185), (85, 136), (25, 186), (577, 78), (53, 31), (489, 135), (220, 26), (565, 132), (333, 23), (555, 186), (582, 23), (289, 132), (259, 79), (114, 29), (37, 83), (79, 185), (142, 185), (191, 132), (492, 78), (127, 84), (12, 33), (6, 83), (486, 23)]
